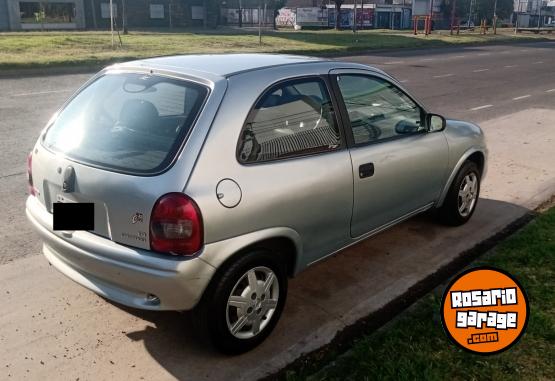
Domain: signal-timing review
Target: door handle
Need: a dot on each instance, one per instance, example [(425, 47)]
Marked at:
[(366, 170)]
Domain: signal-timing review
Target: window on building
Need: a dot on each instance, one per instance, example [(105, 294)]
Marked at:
[(105, 10), (156, 11), (46, 13)]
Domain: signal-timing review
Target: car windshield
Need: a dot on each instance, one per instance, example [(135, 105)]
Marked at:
[(129, 122)]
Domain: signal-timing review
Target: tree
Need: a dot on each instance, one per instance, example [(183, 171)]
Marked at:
[(124, 17), (338, 4), (483, 9)]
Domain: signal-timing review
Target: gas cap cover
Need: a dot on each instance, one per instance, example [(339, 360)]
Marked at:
[(228, 193)]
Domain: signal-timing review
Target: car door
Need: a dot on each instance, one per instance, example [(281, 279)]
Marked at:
[(399, 166)]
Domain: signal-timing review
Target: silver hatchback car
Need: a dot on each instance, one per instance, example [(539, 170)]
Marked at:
[(203, 182)]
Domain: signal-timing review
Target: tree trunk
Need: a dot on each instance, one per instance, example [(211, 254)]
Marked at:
[(337, 15), (124, 17), (205, 14), (93, 9)]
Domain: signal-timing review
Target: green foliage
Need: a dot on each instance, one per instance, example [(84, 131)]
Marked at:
[(481, 9)]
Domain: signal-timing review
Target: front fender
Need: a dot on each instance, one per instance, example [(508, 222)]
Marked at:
[(456, 169)]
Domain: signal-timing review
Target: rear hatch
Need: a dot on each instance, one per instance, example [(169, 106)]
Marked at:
[(124, 136)]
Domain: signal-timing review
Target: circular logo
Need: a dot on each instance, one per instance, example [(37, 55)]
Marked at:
[(484, 310)]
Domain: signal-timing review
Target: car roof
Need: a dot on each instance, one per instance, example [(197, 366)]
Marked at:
[(223, 65)]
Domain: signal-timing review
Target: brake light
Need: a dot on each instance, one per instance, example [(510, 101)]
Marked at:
[(176, 225), (31, 188)]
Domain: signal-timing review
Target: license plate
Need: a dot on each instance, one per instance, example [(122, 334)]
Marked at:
[(73, 215)]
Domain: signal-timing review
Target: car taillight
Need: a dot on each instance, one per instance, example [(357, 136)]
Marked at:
[(30, 185), (176, 225)]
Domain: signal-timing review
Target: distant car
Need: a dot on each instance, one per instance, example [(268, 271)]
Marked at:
[(212, 179)]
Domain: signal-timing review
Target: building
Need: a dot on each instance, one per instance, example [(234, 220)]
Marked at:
[(533, 13), (37, 15), (382, 14), (95, 14)]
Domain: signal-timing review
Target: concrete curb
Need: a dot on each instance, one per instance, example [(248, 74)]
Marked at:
[(378, 318)]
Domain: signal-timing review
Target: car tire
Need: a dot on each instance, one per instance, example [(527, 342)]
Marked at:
[(461, 200), (253, 311)]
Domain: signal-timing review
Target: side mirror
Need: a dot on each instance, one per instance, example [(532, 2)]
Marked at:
[(435, 122)]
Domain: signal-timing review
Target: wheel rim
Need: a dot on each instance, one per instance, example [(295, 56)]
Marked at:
[(468, 193), (252, 302)]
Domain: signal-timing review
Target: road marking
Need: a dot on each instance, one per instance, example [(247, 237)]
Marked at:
[(393, 62), (479, 70), (511, 66), (42, 92), (480, 107), (443, 75), (539, 62), (550, 90), (426, 59), (523, 50), (521, 97), (484, 54), (404, 81), (459, 56)]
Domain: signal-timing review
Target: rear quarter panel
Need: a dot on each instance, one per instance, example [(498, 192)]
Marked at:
[(309, 197)]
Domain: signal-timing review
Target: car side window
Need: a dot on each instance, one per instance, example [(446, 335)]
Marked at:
[(378, 110), (293, 118)]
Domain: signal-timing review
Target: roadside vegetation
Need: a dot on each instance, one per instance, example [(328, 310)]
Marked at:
[(48, 49), (414, 346)]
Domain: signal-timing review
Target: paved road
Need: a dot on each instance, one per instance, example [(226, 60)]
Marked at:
[(51, 328), (473, 83)]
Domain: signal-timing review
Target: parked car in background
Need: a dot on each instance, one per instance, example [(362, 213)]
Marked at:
[(212, 179)]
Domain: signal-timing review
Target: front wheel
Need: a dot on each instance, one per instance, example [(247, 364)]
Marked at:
[(244, 303), (461, 200)]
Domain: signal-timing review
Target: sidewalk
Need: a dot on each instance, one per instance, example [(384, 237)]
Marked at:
[(51, 328)]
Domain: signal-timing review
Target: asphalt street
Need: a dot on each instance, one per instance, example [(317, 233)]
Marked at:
[(51, 328), (470, 83)]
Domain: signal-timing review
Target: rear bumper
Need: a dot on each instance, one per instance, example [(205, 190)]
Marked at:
[(123, 274)]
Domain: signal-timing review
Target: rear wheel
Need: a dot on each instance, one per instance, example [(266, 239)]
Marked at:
[(461, 200), (244, 303)]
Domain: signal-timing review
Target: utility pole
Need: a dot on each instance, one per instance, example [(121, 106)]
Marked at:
[(259, 26)]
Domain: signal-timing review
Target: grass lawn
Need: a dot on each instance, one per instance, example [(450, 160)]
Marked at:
[(42, 49), (414, 346)]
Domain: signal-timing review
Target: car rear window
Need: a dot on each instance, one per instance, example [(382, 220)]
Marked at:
[(127, 122)]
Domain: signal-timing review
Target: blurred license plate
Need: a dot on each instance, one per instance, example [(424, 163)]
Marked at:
[(69, 215)]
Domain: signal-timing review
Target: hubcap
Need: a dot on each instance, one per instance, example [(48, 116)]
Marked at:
[(252, 302), (468, 193)]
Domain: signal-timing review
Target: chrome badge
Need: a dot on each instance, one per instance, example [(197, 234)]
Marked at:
[(137, 217)]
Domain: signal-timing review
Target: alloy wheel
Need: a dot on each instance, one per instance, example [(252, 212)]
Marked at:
[(252, 302)]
